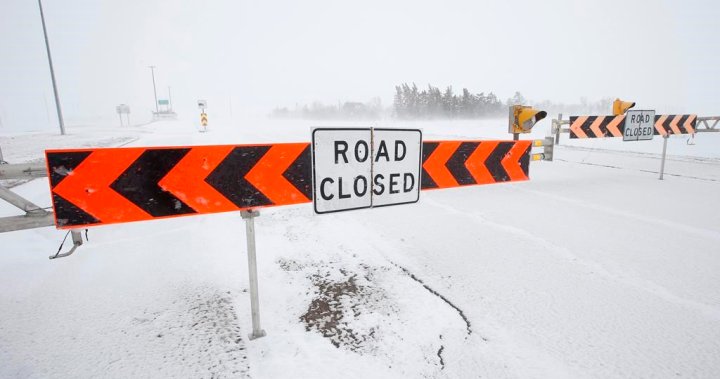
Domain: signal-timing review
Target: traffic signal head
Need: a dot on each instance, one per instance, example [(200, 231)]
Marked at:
[(523, 118), (620, 107)]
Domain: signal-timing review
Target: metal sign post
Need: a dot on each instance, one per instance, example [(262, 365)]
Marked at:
[(123, 109), (249, 217), (662, 162)]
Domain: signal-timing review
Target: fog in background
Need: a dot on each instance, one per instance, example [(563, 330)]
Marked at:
[(247, 57)]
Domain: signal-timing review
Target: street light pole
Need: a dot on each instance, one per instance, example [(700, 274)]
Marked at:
[(52, 72), (152, 70)]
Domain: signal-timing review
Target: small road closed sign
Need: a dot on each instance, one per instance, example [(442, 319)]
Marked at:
[(356, 168), (639, 125)]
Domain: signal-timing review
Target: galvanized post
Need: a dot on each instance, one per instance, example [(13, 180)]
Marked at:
[(249, 217), (1, 156), (557, 130), (662, 163)]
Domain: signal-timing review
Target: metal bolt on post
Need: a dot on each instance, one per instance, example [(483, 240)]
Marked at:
[(249, 217)]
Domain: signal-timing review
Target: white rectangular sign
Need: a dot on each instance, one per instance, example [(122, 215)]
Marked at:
[(363, 167), (397, 158), (639, 125)]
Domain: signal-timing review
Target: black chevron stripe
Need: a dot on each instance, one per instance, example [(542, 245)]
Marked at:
[(229, 177), (139, 183), (61, 164), (621, 126), (572, 121), (300, 173), (494, 162), (585, 127), (66, 213), (603, 126), (525, 161), (667, 127), (666, 124), (428, 148), (456, 163), (681, 124)]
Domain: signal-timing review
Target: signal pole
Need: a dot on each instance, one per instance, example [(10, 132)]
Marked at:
[(152, 70), (52, 72)]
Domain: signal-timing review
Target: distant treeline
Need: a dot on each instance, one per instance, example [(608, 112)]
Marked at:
[(410, 103), (348, 110)]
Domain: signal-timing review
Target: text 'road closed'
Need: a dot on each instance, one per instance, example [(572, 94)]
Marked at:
[(363, 168)]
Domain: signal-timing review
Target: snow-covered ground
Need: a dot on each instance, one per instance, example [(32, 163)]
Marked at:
[(593, 268)]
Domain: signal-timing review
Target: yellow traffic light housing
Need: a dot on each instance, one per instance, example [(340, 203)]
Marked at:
[(620, 107), (523, 118)]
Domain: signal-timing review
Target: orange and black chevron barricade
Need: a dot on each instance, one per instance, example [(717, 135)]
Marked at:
[(103, 186), (613, 126), (460, 163)]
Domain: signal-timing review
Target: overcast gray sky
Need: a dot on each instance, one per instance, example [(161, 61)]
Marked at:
[(259, 54)]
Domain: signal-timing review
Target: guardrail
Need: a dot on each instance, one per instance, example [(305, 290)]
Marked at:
[(35, 216)]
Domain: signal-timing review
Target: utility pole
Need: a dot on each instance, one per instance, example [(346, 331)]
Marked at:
[(152, 70), (52, 72)]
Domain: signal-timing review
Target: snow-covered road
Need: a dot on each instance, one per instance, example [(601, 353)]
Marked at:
[(593, 268)]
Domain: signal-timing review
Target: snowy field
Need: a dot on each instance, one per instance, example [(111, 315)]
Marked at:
[(593, 268)]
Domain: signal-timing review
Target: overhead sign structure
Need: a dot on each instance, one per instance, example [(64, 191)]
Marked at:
[(639, 125), (365, 167), (101, 186), (613, 126)]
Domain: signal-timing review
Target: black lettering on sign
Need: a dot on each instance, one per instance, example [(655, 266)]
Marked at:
[(398, 144), (382, 152), (341, 148), (322, 189), (340, 190), (358, 193), (393, 183), (361, 149), (379, 187), (408, 185)]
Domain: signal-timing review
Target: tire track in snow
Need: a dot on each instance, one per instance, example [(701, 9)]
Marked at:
[(595, 207), (443, 298), (654, 289), (637, 169)]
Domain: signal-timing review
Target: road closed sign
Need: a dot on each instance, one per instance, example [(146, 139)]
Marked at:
[(639, 125), (360, 168)]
